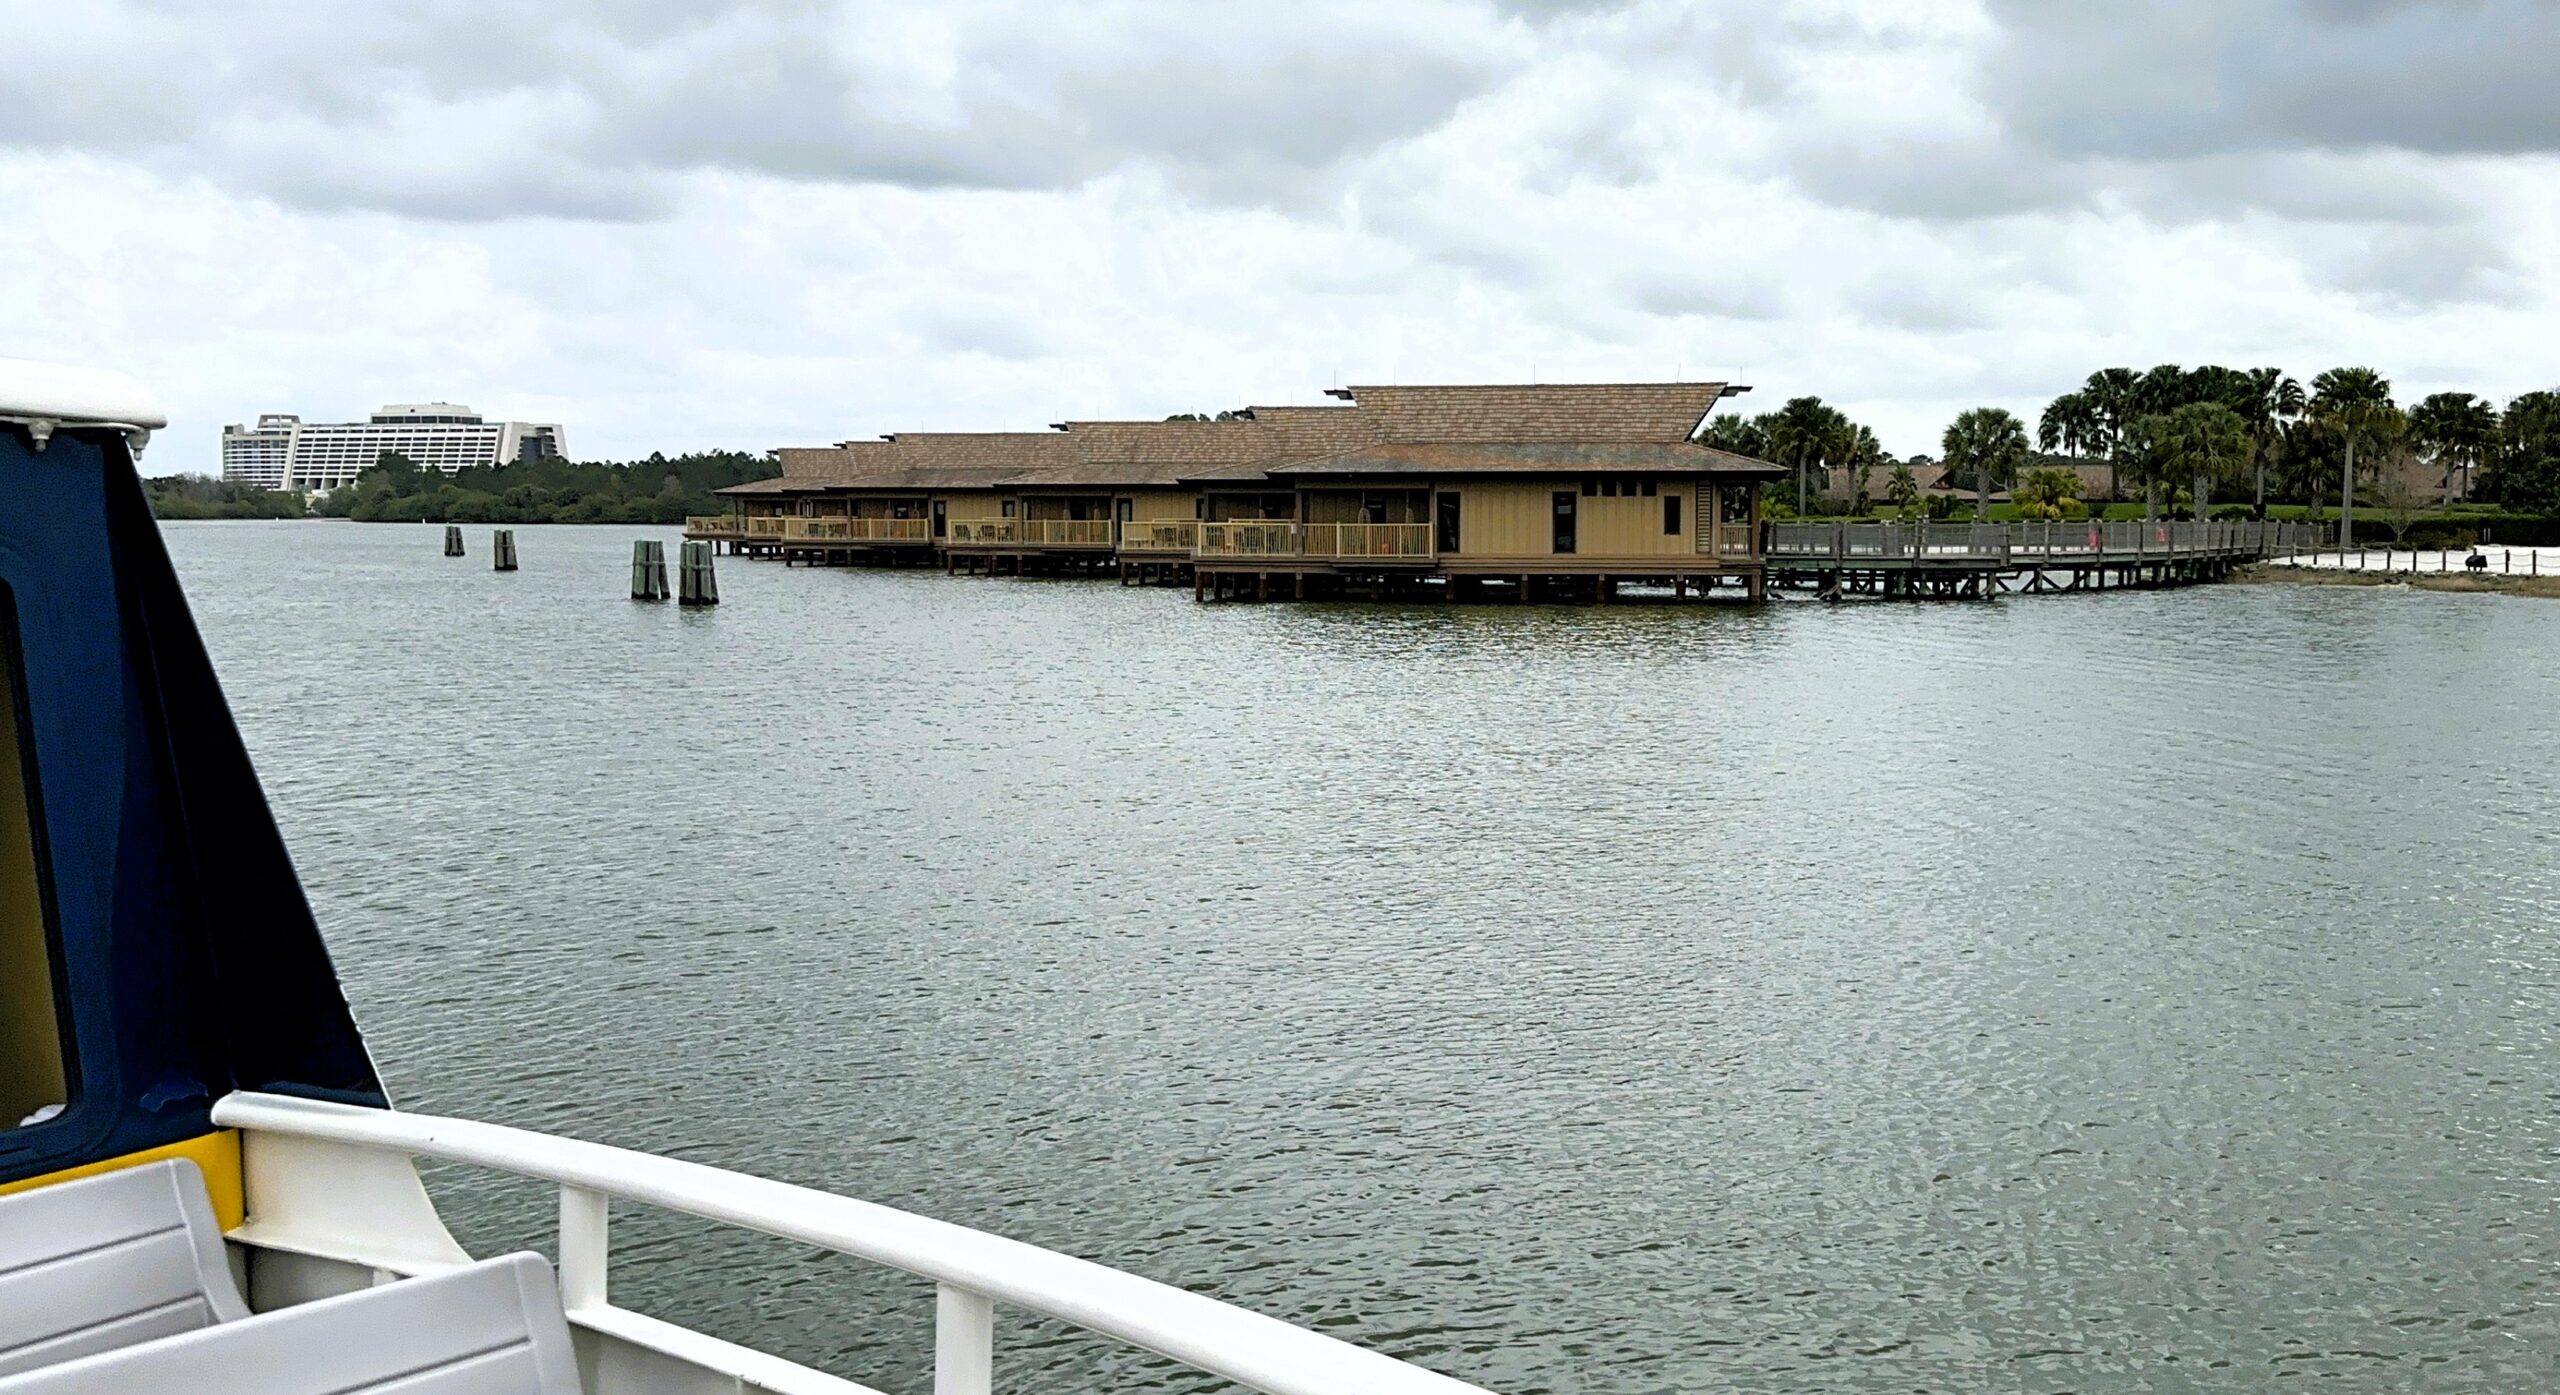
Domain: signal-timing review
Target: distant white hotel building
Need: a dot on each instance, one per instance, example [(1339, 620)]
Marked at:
[(285, 452)]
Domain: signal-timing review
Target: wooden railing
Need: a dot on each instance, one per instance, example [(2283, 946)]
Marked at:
[(856, 530), (718, 525), (766, 526), (982, 532), (1411, 541), (1280, 538), (1160, 535), (1249, 538), (1031, 532), (1066, 532), (2029, 544)]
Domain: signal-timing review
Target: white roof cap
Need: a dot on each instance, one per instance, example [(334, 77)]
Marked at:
[(48, 395)]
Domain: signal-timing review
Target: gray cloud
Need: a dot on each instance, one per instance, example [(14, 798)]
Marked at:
[(2156, 83), (1934, 178), (1678, 291), (2419, 268), (480, 110), (1918, 303), (997, 331)]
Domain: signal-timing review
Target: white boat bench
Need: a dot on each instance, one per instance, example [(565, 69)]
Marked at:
[(109, 1261), (494, 1328)]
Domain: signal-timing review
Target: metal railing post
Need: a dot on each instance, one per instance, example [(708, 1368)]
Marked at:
[(582, 1248), (964, 1342)]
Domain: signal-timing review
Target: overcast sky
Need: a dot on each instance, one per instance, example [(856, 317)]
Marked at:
[(672, 226)]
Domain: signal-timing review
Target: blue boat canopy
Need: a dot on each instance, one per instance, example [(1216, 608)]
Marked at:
[(156, 949)]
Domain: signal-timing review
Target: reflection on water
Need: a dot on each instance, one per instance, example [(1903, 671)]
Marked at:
[(2146, 991)]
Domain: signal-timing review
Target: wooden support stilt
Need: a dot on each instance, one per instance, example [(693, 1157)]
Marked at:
[(695, 582), (648, 571)]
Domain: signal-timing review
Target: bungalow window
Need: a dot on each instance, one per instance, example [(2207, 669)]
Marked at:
[(1671, 514), (1590, 487), (1007, 506), (1649, 487), (1736, 502)]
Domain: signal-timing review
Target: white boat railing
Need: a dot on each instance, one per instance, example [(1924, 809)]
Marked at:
[(972, 1270)]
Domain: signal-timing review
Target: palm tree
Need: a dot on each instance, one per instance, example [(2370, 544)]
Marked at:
[(2146, 451), (2069, 425), (2046, 493), (2110, 392), (2356, 403), (2526, 472), (1801, 434), (2457, 431), (1903, 488), (2163, 390), (1853, 448), (1987, 443), (1747, 436), (2209, 440), (2267, 400)]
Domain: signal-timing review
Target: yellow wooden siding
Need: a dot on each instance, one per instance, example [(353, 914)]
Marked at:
[(1404, 504), (1504, 518), (912, 507), (1516, 519), (1066, 506), (1151, 504), (976, 504), (1632, 528)]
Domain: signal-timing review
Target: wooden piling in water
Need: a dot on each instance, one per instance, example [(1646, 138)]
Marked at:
[(695, 584), (502, 550), (453, 540), (648, 571)]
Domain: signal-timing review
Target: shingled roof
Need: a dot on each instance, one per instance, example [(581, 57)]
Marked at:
[(1661, 413), (821, 465), (1150, 452), (1398, 429), (1530, 457)]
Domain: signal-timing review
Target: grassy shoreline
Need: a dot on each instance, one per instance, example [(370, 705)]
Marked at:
[(2490, 583)]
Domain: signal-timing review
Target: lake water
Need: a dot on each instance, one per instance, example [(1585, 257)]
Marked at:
[(2147, 991)]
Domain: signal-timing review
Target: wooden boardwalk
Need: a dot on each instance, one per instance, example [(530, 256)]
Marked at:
[(1980, 559)]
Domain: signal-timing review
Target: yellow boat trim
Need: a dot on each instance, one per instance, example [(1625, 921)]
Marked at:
[(218, 1154)]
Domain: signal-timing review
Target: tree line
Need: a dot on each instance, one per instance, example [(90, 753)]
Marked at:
[(203, 496), (660, 489), (2181, 437)]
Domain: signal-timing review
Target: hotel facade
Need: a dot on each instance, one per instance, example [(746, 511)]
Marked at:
[(282, 451)]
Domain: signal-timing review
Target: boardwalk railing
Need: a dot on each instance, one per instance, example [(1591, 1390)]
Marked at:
[(717, 525), (1168, 536), (2034, 544), (767, 526), (857, 530), (983, 532), (1402, 542)]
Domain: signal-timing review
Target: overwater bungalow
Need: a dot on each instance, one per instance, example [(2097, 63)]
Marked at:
[(1565, 491), (1559, 491)]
